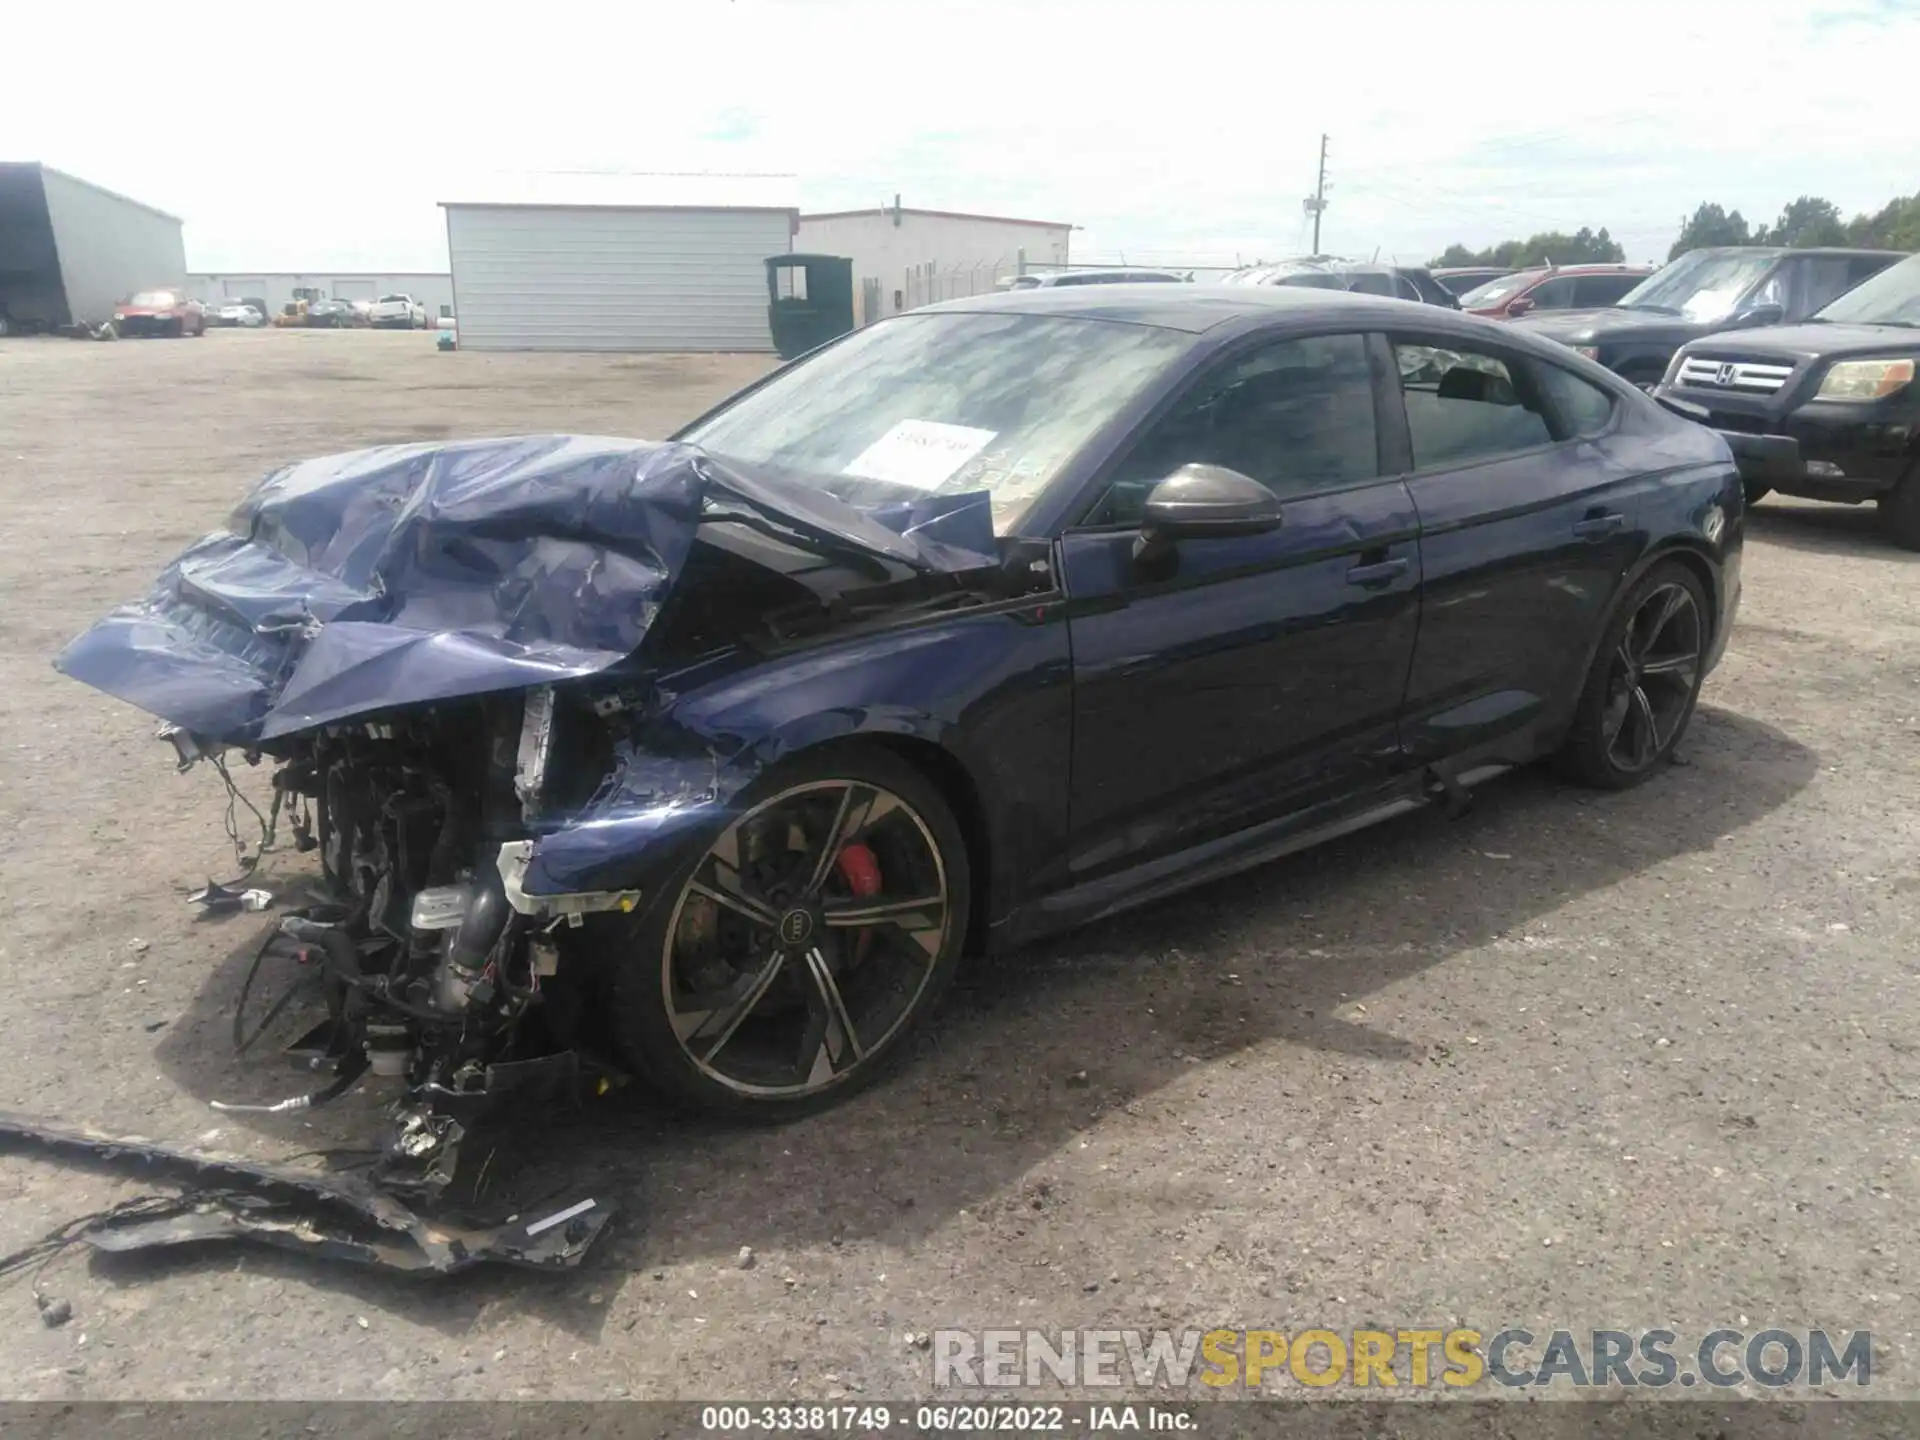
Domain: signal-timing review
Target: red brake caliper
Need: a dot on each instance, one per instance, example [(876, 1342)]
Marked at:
[(860, 870)]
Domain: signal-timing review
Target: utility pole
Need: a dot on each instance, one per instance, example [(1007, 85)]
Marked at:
[(1317, 202)]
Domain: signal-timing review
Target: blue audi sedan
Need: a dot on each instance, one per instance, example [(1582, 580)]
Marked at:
[(712, 759)]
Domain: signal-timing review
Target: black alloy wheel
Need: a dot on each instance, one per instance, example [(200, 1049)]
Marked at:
[(787, 960), (1644, 682)]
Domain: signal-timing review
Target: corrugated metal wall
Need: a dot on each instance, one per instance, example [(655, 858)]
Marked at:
[(109, 246), (529, 278)]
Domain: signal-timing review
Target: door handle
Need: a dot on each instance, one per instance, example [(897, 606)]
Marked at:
[(1378, 573), (1598, 527)]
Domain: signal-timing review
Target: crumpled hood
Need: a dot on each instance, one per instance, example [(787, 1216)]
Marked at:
[(414, 573)]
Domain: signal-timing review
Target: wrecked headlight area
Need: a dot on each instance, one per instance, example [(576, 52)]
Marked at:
[(462, 666)]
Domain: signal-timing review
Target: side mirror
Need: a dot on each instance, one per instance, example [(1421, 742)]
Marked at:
[(1767, 314), (1519, 305), (1206, 500)]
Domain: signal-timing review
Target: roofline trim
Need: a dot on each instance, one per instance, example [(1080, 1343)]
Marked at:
[(790, 211), (46, 169), (938, 214)]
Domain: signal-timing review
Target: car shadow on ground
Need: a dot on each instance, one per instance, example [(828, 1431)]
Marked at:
[(1037, 1046), (1825, 529)]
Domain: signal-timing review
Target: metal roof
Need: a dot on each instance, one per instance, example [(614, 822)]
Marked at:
[(628, 190), (98, 189)]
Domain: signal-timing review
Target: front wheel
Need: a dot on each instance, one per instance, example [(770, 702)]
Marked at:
[(1755, 491), (1645, 680), (1900, 511), (782, 966)]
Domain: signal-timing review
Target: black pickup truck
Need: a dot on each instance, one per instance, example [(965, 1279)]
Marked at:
[(1702, 292), (1828, 409)]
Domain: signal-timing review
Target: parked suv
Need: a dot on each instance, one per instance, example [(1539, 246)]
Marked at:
[(397, 312), (1830, 409), (1551, 287), (1703, 292)]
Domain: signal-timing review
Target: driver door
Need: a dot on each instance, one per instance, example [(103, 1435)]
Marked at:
[(1242, 677)]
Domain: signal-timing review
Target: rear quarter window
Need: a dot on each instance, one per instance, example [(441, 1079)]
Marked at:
[(1582, 407)]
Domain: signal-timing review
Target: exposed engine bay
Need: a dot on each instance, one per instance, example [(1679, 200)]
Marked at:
[(460, 664)]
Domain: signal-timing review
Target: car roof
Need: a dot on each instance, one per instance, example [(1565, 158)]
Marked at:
[(1196, 309)]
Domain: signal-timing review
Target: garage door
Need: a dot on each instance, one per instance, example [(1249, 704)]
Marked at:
[(353, 289), (529, 278)]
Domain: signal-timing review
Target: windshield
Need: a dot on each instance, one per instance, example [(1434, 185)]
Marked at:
[(1890, 298), (395, 300), (154, 299), (1498, 292), (943, 404), (1703, 285)]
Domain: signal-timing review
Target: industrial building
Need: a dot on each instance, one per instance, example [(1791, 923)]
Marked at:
[(432, 288), (613, 262), (904, 258), (71, 251)]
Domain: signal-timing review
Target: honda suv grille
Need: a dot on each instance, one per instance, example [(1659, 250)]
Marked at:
[(1751, 376)]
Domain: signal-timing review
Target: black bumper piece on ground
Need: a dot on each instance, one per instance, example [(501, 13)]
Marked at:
[(339, 1217)]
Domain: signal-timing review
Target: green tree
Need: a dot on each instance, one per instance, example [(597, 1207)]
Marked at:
[(1895, 226), (1807, 222), (1550, 247), (1710, 225)]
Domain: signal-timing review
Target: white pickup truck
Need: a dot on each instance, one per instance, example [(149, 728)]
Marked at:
[(398, 312)]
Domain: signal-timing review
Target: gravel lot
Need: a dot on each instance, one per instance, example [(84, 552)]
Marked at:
[(1573, 1060)]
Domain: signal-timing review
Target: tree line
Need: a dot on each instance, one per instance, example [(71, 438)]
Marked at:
[(1807, 222)]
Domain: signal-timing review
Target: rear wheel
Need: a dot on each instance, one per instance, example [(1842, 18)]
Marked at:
[(783, 965), (1645, 680)]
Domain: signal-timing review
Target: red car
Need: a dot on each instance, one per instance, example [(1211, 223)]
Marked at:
[(160, 312), (1553, 287)]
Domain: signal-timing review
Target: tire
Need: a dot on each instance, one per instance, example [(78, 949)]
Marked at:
[(760, 1040), (1900, 511), (1755, 491), (6, 325), (1626, 701)]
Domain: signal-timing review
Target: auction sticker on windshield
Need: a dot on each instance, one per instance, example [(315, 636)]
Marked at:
[(920, 453)]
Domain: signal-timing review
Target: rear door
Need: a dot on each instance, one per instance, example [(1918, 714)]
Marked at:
[(1244, 676), (1528, 522)]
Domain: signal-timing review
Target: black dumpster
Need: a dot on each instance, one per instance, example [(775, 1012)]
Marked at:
[(809, 301)]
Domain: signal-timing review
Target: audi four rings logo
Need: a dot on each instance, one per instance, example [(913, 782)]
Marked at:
[(1725, 375), (796, 926)]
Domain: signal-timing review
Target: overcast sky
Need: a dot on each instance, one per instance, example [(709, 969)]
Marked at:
[(320, 137)]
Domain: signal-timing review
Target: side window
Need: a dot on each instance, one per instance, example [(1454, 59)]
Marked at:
[(1864, 267), (1584, 408), (1594, 290), (1463, 406), (1405, 289), (1296, 415), (1823, 278), (1367, 282), (1554, 294)]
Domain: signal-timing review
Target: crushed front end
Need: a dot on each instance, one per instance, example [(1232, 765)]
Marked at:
[(451, 659)]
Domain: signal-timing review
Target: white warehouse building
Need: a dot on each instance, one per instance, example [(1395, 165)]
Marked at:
[(432, 288), (612, 262), (904, 258)]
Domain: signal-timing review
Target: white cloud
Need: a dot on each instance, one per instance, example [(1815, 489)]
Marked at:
[(323, 137)]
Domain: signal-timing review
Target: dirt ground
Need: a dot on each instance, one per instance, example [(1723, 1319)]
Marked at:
[(1573, 1060)]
